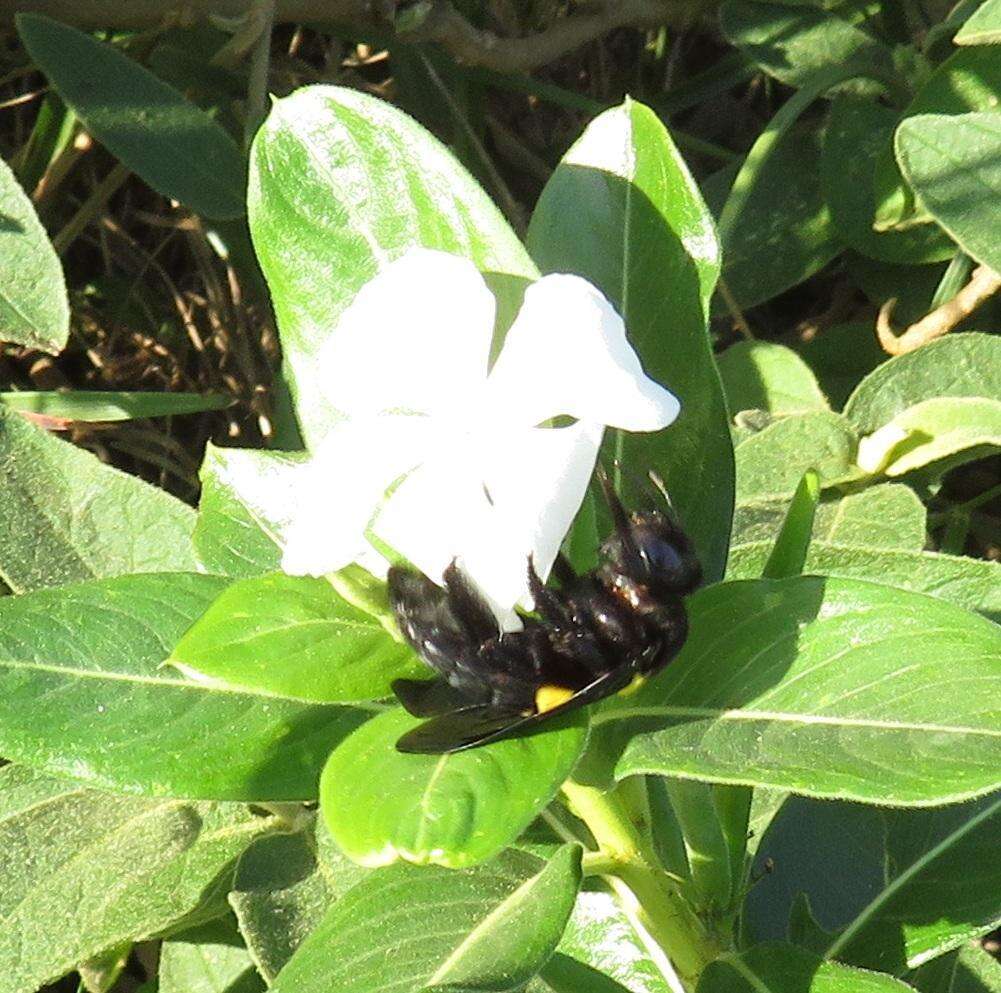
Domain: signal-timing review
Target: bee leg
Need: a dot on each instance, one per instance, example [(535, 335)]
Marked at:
[(469, 607), (564, 571), (549, 603)]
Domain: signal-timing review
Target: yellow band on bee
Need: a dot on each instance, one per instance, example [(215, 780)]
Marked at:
[(638, 681), (550, 697)]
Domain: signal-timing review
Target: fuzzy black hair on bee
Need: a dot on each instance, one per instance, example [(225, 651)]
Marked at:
[(590, 636)]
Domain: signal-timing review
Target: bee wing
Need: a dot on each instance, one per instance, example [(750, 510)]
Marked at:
[(428, 697), (470, 727), (459, 730)]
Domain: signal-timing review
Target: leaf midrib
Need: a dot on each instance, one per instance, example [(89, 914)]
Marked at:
[(789, 717)]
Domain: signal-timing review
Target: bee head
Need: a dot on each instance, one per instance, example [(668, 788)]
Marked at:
[(651, 549)]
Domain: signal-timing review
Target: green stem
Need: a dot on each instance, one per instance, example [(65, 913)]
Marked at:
[(647, 895), (787, 115), (708, 851)]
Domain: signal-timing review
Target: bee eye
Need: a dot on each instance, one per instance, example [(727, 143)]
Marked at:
[(662, 559)]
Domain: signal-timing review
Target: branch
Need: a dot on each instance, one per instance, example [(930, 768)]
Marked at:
[(983, 283), (436, 21), (442, 23)]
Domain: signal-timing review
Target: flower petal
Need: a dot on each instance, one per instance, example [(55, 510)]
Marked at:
[(492, 505), (342, 487), (536, 480), (416, 337), (567, 353), (434, 513)]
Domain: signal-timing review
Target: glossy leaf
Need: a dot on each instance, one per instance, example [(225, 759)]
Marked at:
[(911, 884), (763, 375), (100, 405), (84, 870), (172, 144), (489, 928), (785, 220), (771, 462), (968, 80), (982, 27), (970, 970), (887, 515), (247, 501), (34, 310), (340, 184), (953, 163), (622, 210), (207, 959), (937, 433), (971, 583), (382, 805), (829, 687), (294, 637), (858, 131), (83, 693), (793, 42), (52, 529), (959, 365), (781, 968)]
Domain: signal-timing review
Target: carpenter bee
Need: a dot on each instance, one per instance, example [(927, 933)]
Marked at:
[(594, 635)]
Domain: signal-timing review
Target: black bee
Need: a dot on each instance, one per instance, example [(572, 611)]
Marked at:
[(592, 637)]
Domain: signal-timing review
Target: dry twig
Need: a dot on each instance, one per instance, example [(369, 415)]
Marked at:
[(440, 22), (984, 283)]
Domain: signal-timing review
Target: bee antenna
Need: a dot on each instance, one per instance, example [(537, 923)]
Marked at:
[(619, 515)]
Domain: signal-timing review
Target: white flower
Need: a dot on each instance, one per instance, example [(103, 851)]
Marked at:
[(478, 476)]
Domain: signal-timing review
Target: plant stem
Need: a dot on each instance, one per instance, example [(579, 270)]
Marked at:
[(648, 895)]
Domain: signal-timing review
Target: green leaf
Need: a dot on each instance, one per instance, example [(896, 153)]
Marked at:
[(54, 128), (83, 694), (784, 232), (792, 42), (953, 163), (294, 637), (172, 144), (100, 405), (781, 968), (859, 130), (828, 687), (971, 583), (340, 184), (600, 935), (941, 433), (207, 959), (623, 211), (970, 970), (454, 810), (771, 462), (912, 884), (968, 80), (888, 515), (763, 375), (84, 870), (983, 27), (52, 529), (959, 365), (247, 501), (563, 974), (489, 928), (34, 309), (282, 889), (842, 355), (789, 553), (100, 972)]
